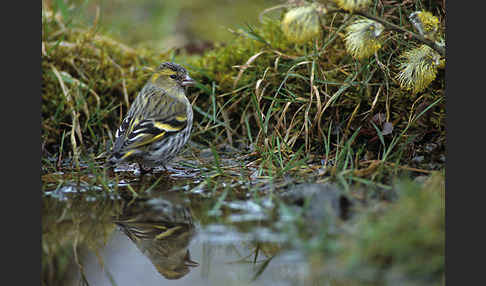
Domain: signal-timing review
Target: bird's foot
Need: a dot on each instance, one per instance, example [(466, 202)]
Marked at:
[(143, 170)]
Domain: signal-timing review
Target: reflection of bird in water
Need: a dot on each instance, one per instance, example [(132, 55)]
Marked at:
[(161, 229)]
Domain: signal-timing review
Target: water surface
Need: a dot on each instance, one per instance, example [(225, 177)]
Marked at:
[(169, 236)]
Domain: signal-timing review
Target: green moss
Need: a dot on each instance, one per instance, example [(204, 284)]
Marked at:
[(407, 237)]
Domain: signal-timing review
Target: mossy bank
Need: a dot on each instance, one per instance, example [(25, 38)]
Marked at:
[(251, 92)]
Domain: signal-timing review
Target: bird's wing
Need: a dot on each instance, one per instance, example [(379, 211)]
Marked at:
[(135, 134), (162, 116), (154, 129)]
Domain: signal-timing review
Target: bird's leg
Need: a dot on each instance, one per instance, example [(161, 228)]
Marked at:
[(166, 171), (143, 171)]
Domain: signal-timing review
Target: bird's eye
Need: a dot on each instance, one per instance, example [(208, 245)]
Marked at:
[(173, 76)]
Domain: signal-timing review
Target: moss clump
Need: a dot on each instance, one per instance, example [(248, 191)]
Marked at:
[(406, 240), (222, 63)]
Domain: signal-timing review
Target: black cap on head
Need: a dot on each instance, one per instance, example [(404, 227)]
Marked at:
[(172, 66), (181, 76)]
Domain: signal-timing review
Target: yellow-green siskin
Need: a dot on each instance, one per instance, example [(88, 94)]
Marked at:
[(162, 230), (158, 123)]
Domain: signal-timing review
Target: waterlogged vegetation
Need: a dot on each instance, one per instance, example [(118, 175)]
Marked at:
[(311, 162)]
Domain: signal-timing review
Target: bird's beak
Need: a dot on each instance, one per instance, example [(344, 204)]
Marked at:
[(187, 81)]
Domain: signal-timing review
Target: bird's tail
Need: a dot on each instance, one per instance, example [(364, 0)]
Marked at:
[(117, 157)]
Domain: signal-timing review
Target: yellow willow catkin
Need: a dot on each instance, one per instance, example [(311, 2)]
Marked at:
[(425, 23), (301, 24), (418, 68), (361, 39), (353, 5)]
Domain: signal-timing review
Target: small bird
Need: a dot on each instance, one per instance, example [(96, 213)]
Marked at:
[(158, 123), (162, 229)]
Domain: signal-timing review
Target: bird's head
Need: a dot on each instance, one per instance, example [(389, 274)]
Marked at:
[(169, 75)]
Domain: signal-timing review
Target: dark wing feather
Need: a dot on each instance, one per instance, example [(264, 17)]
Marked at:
[(162, 116)]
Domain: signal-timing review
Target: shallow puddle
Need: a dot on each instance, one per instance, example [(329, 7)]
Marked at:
[(203, 226), (169, 237), (215, 255)]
